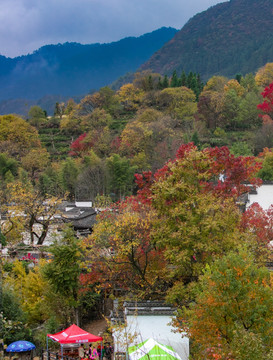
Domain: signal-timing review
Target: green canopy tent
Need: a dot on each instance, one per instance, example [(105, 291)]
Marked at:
[(150, 349)]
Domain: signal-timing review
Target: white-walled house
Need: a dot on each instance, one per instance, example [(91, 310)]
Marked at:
[(263, 196), (149, 320)]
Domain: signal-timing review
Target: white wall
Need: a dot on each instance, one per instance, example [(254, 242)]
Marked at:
[(156, 327), (264, 196), (83, 204)]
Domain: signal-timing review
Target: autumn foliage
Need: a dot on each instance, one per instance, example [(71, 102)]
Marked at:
[(183, 216), (260, 223), (218, 170), (234, 303), (267, 105), (80, 145), (120, 251)]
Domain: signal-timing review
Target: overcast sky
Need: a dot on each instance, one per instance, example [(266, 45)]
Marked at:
[(26, 25)]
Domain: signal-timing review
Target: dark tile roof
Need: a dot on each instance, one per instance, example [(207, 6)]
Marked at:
[(147, 308), (80, 217)]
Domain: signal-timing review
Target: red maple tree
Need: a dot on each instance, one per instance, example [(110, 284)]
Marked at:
[(80, 145), (267, 105), (227, 175)]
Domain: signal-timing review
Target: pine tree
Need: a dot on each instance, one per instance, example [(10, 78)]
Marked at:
[(194, 85), (174, 79), (165, 83), (160, 83), (200, 86), (195, 139), (189, 80), (150, 83), (183, 79), (238, 77)]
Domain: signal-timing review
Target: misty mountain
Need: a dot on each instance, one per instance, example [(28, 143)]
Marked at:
[(74, 69)]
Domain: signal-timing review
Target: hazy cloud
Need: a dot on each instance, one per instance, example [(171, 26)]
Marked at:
[(26, 25)]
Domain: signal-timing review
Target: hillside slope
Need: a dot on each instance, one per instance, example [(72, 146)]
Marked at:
[(74, 69), (229, 38)]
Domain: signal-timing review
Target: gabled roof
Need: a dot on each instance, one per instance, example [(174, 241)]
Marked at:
[(81, 218)]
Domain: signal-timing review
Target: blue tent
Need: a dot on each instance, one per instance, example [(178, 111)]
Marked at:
[(20, 346)]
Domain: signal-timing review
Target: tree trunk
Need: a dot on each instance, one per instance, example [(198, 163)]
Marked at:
[(31, 224), (44, 234), (77, 316)]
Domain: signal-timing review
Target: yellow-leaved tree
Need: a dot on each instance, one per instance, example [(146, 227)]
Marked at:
[(17, 136), (130, 97), (30, 288), (264, 75), (27, 207)]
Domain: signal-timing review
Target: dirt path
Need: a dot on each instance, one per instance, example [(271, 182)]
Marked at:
[(96, 327)]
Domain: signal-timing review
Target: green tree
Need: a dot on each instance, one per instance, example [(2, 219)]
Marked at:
[(7, 164), (197, 220), (238, 77), (64, 270), (2, 239), (50, 182), (35, 161), (248, 114), (70, 106), (99, 118), (36, 116), (249, 83), (174, 79), (266, 172), (183, 79), (12, 318), (109, 101), (194, 85), (59, 109), (233, 307), (180, 103), (190, 80), (165, 83), (230, 109), (121, 176), (241, 149), (195, 139), (68, 176), (30, 289)]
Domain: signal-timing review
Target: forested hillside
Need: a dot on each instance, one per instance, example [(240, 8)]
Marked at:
[(72, 69), (111, 135), (229, 38), (167, 160)]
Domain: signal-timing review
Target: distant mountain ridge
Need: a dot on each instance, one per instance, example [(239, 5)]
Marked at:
[(74, 69), (229, 38)]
